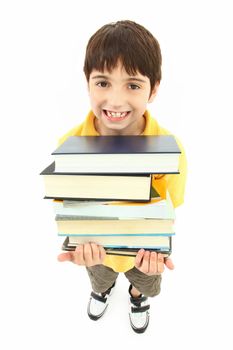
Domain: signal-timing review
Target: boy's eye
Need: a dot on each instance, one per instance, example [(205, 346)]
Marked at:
[(102, 83), (134, 87)]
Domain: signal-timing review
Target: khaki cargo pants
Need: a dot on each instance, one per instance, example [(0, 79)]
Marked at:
[(103, 277)]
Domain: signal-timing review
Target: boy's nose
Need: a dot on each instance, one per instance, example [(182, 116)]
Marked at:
[(115, 100)]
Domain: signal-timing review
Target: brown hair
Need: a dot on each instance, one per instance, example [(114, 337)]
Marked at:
[(129, 42)]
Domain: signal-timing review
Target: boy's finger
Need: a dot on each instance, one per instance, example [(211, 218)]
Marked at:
[(102, 253), (95, 252), (160, 263), (64, 257), (139, 257), (87, 254), (169, 264), (79, 255), (145, 265), (153, 263)]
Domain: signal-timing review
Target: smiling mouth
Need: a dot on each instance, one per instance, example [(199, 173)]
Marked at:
[(115, 116)]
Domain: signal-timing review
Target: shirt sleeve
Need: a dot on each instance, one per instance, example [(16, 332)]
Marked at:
[(176, 182)]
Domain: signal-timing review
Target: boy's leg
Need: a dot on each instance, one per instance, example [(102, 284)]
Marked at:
[(101, 277), (148, 286), (103, 281)]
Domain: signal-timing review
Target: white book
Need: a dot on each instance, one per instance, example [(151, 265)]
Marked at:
[(162, 209)]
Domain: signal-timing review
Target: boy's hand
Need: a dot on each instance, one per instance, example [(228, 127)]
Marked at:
[(152, 263), (88, 254)]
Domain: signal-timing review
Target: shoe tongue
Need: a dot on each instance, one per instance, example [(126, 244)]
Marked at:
[(137, 301), (108, 290)]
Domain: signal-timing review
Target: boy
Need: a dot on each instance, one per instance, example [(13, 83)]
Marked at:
[(123, 72)]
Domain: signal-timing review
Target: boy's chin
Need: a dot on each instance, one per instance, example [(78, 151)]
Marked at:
[(110, 128), (115, 126)]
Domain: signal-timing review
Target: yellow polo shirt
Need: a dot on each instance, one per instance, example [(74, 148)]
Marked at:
[(174, 183)]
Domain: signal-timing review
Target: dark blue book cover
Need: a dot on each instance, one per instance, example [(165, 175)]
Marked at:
[(118, 145)]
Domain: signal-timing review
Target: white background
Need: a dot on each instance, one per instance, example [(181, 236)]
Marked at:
[(43, 94)]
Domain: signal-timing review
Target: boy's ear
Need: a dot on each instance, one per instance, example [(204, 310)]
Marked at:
[(153, 92)]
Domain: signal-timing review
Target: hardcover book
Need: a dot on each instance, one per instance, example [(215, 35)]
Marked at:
[(108, 226), (135, 187), (118, 154), (156, 208), (124, 250)]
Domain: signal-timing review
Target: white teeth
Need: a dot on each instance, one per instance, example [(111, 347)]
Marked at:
[(116, 114)]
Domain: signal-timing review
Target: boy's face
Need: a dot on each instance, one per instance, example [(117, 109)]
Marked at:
[(119, 101)]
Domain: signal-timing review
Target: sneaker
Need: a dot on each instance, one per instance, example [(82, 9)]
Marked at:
[(139, 312), (98, 303)]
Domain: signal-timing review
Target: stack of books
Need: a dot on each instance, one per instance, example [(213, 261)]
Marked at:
[(102, 192)]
